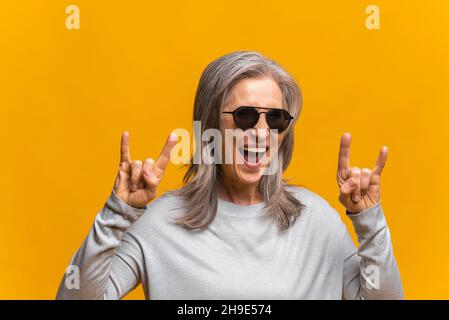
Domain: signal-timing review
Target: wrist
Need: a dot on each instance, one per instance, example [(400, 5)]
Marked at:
[(118, 205), (353, 213)]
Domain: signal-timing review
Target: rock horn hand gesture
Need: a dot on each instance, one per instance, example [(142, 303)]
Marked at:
[(359, 188), (137, 182)]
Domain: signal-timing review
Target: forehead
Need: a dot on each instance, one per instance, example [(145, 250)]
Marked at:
[(257, 92)]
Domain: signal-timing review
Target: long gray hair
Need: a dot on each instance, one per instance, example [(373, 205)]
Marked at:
[(199, 191)]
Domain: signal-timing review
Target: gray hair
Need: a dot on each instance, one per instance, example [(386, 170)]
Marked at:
[(199, 190)]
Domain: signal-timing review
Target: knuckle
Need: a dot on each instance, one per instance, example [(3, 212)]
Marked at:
[(149, 161), (123, 166), (366, 171), (137, 163)]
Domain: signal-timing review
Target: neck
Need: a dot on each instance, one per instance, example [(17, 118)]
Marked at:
[(238, 193)]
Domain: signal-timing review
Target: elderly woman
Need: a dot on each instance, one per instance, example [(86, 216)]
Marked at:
[(233, 232)]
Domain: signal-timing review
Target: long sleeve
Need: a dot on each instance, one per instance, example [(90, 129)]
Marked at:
[(371, 271), (107, 265)]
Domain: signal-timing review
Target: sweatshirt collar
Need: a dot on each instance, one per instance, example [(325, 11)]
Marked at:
[(232, 209)]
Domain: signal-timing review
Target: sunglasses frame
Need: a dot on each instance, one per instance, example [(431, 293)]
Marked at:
[(290, 118)]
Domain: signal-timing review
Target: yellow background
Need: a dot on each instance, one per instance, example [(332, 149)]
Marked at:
[(65, 97)]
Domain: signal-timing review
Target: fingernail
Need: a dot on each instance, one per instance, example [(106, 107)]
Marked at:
[(173, 136)]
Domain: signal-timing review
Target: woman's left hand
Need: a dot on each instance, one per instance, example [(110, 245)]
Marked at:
[(359, 188)]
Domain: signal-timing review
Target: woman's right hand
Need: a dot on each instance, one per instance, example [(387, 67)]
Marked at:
[(137, 181)]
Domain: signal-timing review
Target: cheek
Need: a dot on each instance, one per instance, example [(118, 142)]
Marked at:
[(227, 123), (281, 138), (226, 147), (276, 148)]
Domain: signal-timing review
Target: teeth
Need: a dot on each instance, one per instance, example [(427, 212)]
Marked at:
[(255, 149)]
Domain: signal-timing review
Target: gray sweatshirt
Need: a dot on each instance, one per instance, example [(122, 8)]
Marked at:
[(240, 255)]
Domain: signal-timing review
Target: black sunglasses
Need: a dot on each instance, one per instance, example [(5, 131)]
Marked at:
[(246, 117)]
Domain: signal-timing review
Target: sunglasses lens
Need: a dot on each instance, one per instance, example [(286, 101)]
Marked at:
[(278, 119), (246, 117)]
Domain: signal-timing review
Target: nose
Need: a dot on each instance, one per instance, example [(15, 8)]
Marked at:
[(262, 123), (261, 131)]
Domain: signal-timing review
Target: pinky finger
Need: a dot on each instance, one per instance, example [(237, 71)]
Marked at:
[(381, 160)]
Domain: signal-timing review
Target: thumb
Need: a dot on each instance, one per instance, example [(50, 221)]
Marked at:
[(350, 189), (121, 181), (150, 179)]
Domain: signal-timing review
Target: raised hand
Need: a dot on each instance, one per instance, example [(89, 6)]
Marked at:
[(137, 182), (359, 188)]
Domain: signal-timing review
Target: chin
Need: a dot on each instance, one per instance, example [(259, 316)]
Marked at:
[(246, 176)]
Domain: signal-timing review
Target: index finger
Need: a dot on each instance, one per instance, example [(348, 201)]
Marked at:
[(343, 156), (164, 157), (381, 161), (124, 149)]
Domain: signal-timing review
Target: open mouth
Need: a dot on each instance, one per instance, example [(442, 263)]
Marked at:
[(253, 154)]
